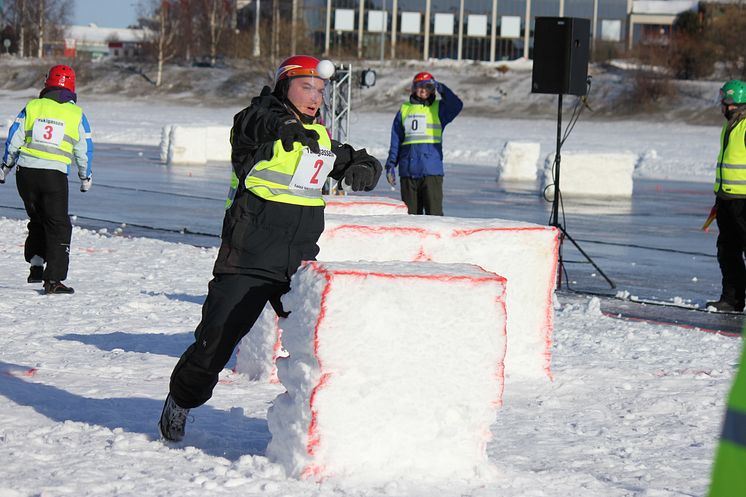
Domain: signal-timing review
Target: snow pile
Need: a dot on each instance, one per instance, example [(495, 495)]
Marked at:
[(518, 161), (195, 144), (409, 392), (363, 205), (258, 351), (592, 174), (525, 254)]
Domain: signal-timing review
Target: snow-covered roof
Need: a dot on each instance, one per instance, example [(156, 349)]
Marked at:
[(671, 7), (95, 34)]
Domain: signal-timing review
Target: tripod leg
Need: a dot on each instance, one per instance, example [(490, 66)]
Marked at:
[(565, 234)]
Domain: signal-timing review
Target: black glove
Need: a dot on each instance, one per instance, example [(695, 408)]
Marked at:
[(363, 172), (291, 131)]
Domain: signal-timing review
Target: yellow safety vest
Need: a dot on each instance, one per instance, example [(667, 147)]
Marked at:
[(730, 175), (421, 123), (729, 472), (52, 129), (271, 179)]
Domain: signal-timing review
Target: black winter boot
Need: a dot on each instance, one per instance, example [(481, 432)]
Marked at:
[(36, 274), (725, 306), (57, 287)]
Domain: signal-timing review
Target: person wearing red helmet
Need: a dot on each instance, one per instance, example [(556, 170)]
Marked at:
[(49, 134), (417, 145), (274, 217)]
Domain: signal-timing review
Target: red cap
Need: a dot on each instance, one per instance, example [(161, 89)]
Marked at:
[(60, 76)]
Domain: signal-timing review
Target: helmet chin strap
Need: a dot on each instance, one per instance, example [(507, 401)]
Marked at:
[(305, 118)]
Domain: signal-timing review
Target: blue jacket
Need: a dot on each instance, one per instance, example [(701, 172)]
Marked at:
[(422, 159)]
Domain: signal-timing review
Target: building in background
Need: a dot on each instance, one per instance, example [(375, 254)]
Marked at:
[(93, 42), (484, 30)]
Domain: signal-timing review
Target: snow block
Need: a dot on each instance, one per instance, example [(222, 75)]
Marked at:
[(186, 145), (519, 162), (525, 254), (592, 174), (218, 143), (259, 350), (363, 205), (165, 140), (394, 371), (196, 144)]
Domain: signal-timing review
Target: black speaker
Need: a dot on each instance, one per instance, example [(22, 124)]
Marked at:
[(561, 49)]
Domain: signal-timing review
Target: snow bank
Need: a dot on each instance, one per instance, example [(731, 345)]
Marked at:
[(195, 144), (592, 174), (524, 253), (518, 161), (395, 370), (363, 205)]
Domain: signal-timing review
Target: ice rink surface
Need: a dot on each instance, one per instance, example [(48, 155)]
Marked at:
[(651, 246)]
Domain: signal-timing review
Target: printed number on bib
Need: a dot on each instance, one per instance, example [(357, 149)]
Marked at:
[(312, 170), (48, 131), (415, 124)]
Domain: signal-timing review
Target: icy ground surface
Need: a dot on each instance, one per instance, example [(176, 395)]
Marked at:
[(634, 409)]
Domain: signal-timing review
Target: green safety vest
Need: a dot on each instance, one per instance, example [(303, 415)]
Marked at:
[(421, 123), (729, 472), (271, 179), (52, 129), (730, 175)]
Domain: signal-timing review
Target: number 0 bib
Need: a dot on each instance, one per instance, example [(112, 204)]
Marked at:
[(415, 126), (312, 170)]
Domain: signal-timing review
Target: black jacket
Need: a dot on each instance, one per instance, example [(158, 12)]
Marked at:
[(261, 237)]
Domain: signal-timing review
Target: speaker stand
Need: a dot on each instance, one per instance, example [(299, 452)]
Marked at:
[(554, 218)]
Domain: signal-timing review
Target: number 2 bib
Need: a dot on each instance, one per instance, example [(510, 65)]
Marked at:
[(48, 131), (312, 170)]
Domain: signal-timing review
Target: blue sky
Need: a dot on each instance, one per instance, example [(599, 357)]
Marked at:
[(105, 13)]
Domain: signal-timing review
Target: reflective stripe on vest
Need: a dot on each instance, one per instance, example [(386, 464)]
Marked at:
[(730, 174), (417, 131), (51, 129), (270, 179)]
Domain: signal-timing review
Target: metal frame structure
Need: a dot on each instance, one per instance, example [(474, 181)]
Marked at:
[(337, 110)]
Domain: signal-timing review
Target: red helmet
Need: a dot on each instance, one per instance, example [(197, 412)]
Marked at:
[(422, 78), (298, 65), (60, 77)]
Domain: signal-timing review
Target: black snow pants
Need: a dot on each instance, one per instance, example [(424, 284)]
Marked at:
[(731, 246), (234, 303), (423, 195), (45, 195)]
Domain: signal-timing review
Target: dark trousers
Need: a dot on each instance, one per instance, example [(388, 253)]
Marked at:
[(731, 246), (44, 193), (423, 195), (234, 303)]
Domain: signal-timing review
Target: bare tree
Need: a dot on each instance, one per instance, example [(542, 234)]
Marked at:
[(160, 22), (218, 14), (34, 21)]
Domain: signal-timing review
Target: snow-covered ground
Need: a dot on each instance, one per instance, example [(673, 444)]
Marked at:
[(634, 409)]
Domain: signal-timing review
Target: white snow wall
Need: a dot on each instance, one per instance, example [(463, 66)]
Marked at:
[(378, 392), (592, 174), (519, 161), (525, 254), (195, 144)]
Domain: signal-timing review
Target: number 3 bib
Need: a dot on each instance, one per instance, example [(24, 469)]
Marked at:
[(48, 131), (312, 170)]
